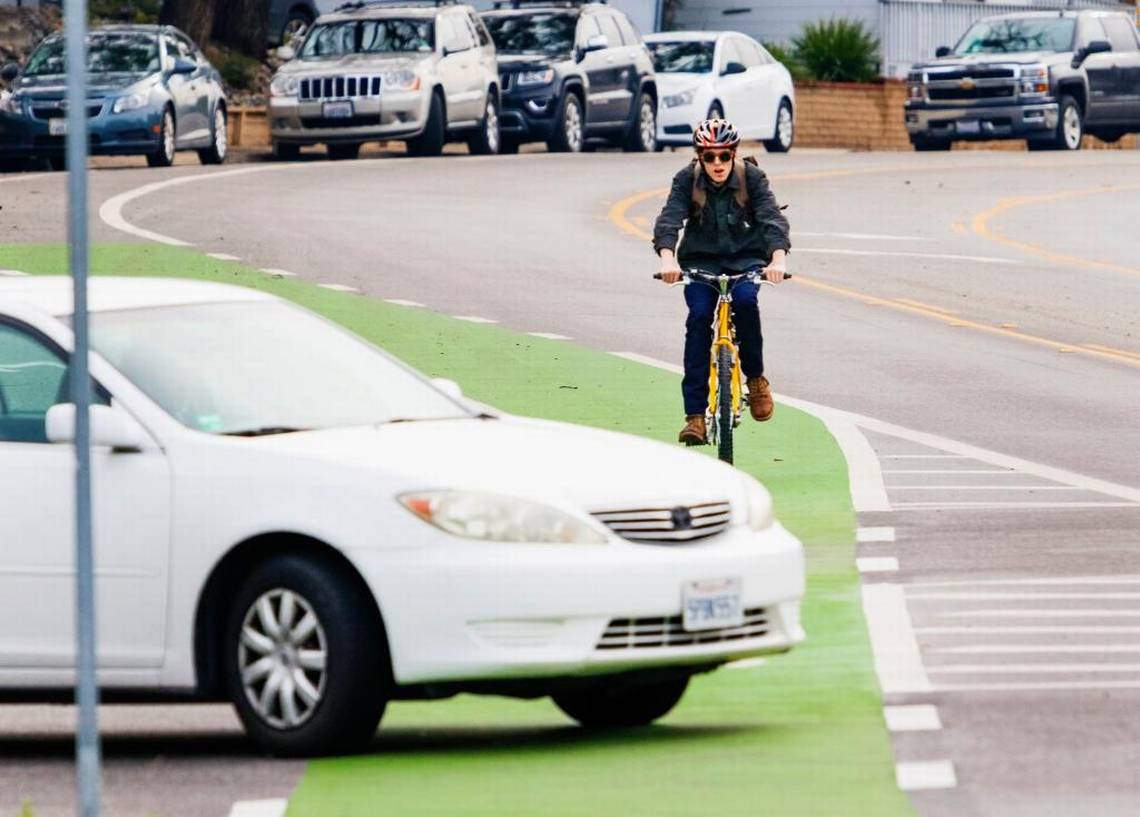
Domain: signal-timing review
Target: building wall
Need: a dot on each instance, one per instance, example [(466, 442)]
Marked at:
[(768, 21)]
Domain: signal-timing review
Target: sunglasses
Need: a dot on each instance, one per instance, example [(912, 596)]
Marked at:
[(711, 157)]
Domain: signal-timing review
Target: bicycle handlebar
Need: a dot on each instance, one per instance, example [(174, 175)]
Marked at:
[(687, 274)]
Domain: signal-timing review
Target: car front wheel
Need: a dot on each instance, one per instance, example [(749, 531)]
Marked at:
[(615, 703), (642, 137), (1070, 128), (486, 141), (164, 155), (215, 154), (305, 658), (569, 130)]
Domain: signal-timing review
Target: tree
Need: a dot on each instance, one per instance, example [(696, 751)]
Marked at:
[(240, 24), (194, 17)]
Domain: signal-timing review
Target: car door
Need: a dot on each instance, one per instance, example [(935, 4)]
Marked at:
[(486, 60), (597, 70), (458, 70), (131, 527), (199, 129), (182, 93), (763, 91), (733, 88), (1126, 49), (621, 78), (1102, 74)]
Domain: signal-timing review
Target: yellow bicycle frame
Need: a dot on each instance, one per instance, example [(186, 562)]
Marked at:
[(723, 337)]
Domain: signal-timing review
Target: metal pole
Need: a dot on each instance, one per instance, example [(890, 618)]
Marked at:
[(87, 736)]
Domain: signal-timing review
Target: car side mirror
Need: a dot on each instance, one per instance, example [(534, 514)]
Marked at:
[(1094, 47), (942, 51), (599, 42), (9, 72), (184, 66), (110, 427), (286, 53), (733, 68)]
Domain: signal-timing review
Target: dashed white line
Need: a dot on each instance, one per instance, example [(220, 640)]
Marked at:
[(914, 718), (1029, 669), (879, 534), (981, 259), (1016, 596), (473, 319), (926, 775), (402, 302), (284, 273), (549, 336), (877, 564), (1012, 505), (1074, 629), (897, 658), (1035, 649), (859, 236), (1043, 580), (259, 808), (339, 287), (222, 256), (1050, 613), (1041, 686)]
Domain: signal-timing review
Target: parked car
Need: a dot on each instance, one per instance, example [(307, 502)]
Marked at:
[(151, 92), (573, 71), (705, 74), (425, 74), (1047, 77), (309, 528), (289, 19)]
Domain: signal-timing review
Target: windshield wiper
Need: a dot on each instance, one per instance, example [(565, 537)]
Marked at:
[(264, 431)]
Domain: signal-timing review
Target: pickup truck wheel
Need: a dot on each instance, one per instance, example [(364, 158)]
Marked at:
[(923, 144), (1070, 128)]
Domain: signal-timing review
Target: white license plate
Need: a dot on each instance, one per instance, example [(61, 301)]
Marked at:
[(337, 110), (711, 605), (970, 127), (57, 127)]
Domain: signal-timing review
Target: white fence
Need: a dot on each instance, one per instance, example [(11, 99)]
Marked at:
[(910, 30)]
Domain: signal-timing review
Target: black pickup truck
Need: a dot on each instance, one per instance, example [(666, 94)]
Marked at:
[(1046, 77)]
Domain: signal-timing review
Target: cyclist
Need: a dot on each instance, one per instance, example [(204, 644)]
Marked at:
[(732, 225)]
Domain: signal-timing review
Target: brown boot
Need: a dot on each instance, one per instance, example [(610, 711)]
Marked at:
[(760, 398), (694, 432)]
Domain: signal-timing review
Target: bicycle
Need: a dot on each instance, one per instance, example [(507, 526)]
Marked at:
[(726, 392)]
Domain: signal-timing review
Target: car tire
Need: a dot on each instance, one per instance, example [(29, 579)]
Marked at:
[(1070, 128), (614, 704), (430, 142), (642, 136), (925, 144), (487, 140), (340, 151), (570, 131), (285, 152), (319, 685), (785, 134), (216, 153), (164, 155), (509, 146)]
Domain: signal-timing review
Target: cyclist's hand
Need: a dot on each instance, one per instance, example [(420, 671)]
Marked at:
[(775, 272), (671, 276)]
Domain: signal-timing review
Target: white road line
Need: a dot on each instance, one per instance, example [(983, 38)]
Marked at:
[(980, 259), (859, 236), (1052, 612), (339, 287), (1044, 580), (402, 302), (880, 534), (1075, 629), (284, 273), (985, 596), (259, 808), (222, 256), (877, 564), (473, 319), (549, 336), (1041, 686), (950, 471), (1035, 649), (650, 361), (926, 775), (28, 177), (1029, 669), (915, 718), (924, 457), (1020, 506), (897, 658), (12, 272), (982, 488)]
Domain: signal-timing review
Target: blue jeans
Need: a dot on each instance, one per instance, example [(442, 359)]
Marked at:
[(702, 300)]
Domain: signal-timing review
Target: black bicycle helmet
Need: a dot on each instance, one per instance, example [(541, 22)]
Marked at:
[(715, 133)]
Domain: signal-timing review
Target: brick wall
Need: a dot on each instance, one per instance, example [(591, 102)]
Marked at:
[(870, 117)]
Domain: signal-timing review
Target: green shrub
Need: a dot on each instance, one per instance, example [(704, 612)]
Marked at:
[(838, 50), (237, 69), (785, 55)]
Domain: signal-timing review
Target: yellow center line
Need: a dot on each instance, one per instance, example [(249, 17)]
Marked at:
[(981, 226), (926, 306), (619, 216)]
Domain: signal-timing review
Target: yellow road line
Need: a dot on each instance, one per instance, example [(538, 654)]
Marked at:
[(926, 306), (619, 216), (980, 225)]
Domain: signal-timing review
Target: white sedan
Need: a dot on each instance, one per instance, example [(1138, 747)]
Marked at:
[(707, 74), (290, 519)]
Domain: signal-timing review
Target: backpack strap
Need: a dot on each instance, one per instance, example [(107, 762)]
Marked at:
[(698, 197)]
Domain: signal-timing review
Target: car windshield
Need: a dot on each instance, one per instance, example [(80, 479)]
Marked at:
[(107, 53), (390, 35), (550, 34), (261, 367), (1015, 35), (683, 57)]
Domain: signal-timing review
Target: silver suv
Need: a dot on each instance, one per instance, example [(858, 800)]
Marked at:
[(423, 72)]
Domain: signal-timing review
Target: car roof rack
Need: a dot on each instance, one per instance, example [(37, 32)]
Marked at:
[(361, 5), (568, 4)]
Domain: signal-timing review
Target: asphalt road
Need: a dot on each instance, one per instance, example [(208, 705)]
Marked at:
[(989, 299)]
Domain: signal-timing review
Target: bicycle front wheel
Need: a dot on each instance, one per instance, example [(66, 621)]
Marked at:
[(724, 367)]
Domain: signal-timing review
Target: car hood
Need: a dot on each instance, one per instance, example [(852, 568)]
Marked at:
[(527, 62), (972, 60), (54, 86), (580, 467), (675, 82), (355, 62)]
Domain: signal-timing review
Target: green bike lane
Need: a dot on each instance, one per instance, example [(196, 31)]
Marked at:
[(800, 734)]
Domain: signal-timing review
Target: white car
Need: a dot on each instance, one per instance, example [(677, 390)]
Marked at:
[(288, 518), (706, 74)]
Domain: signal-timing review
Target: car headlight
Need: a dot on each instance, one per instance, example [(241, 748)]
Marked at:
[(10, 103), (544, 77), (498, 518), (1034, 80), (130, 102), (283, 85), (403, 80), (759, 505), (679, 100)]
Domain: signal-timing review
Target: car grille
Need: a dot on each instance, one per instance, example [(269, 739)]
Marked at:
[(53, 111), (668, 526), (972, 73), (363, 121), (655, 633), (339, 87), (977, 92)]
